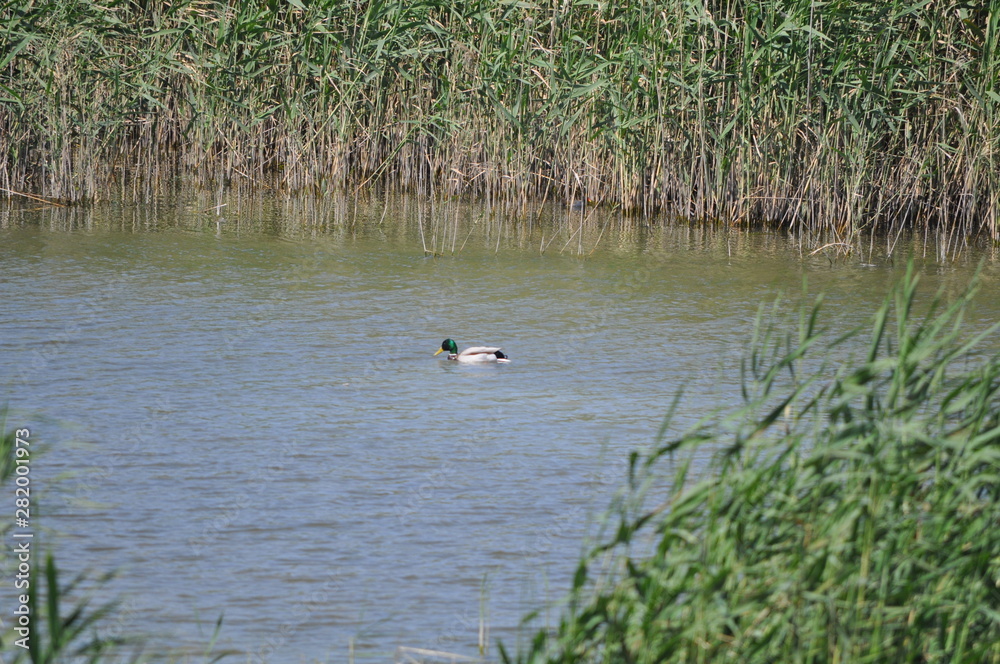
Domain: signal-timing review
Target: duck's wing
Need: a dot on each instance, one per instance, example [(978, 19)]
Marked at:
[(479, 350)]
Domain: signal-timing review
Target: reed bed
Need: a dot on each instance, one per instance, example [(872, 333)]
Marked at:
[(851, 514), (840, 116)]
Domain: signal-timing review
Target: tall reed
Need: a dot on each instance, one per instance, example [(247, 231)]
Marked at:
[(850, 516), (832, 116)]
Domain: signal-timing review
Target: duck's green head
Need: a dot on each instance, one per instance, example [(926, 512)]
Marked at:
[(448, 345)]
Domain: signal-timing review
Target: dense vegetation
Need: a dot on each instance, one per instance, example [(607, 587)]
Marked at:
[(851, 516), (835, 115)]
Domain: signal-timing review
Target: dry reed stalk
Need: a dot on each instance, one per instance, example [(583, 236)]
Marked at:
[(844, 116)]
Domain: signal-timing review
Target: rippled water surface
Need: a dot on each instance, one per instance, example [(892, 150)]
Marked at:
[(243, 417)]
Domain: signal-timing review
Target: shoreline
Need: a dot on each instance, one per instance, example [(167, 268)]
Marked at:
[(840, 118)]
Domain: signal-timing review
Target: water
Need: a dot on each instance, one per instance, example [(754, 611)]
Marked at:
[(244, 417)]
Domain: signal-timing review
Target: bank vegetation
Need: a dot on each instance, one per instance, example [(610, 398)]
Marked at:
[(850, 513), (839, 116)]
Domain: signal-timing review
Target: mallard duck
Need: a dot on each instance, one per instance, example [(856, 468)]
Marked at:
[(473, 354)]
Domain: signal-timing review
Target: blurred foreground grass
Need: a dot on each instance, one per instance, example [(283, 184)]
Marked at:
[(851, 514)]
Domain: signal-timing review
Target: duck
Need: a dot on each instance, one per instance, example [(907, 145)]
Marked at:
[(473, 354)]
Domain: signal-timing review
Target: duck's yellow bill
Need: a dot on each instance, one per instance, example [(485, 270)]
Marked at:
[(439, 351)]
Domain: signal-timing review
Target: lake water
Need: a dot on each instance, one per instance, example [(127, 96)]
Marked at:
[(242, 415)]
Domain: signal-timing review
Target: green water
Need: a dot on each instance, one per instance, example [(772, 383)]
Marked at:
[(244, 416)]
